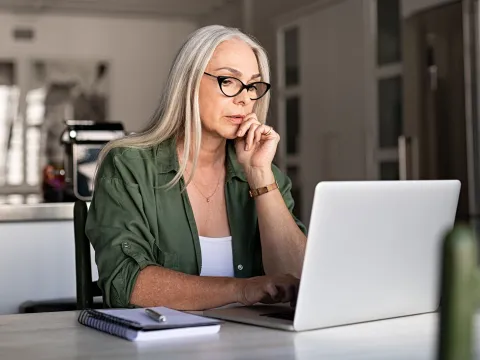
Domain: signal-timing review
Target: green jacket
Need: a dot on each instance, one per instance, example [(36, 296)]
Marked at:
[(133, 222)]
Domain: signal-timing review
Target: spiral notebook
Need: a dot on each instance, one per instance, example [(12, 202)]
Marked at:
[(136, 325)]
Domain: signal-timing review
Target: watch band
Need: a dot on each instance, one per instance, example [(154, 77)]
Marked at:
[(262, 190)]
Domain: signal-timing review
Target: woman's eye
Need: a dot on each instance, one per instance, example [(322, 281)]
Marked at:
[(227, 82)]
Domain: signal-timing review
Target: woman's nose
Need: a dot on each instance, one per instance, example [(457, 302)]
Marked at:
[(243, 98)]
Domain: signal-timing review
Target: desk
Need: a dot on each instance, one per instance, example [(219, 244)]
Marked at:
[(59, 336)]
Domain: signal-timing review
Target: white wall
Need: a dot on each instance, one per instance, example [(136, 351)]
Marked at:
[(140, 52), (411, 6), (228, 15)]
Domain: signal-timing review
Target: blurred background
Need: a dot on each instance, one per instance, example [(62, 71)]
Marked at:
[(362, 89)]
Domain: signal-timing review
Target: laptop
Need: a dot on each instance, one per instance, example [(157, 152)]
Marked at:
[(373, 252)]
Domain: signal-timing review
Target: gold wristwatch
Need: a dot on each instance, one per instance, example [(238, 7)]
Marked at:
[(262, 190)]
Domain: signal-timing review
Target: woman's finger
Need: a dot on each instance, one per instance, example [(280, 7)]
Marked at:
[(251, 135), (243, 128), (272, 291), (258, 134), (264, 130)]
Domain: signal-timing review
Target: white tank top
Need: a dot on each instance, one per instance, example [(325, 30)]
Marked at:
[(217, 257)]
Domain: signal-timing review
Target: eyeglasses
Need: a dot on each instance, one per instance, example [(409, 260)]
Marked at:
[(231, 87)]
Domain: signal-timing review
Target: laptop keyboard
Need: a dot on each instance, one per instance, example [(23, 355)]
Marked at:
[(284, 315)]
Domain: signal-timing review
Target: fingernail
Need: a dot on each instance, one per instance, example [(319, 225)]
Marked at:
[(239, 133), (246, 147)]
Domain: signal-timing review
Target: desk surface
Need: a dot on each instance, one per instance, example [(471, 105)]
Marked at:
[(59, 336)]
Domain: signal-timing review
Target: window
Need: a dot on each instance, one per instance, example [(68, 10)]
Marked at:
[(289, 107), (389, 99), (10, 126), (34, 119), (291, 56), (19, 139), (390, 111), (292, 112), (388, 25)]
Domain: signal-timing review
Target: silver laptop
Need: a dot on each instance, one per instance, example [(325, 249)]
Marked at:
[(373, 252)]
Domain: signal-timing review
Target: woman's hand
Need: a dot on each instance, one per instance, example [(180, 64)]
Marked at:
[(268, 290), (256, 145)]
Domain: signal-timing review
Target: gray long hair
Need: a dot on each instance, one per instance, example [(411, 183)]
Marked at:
[(178, 113)]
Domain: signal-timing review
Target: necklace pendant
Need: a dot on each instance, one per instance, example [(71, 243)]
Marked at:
[(208, 200)]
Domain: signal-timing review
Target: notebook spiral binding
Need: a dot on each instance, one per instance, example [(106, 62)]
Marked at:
[(107, 323)]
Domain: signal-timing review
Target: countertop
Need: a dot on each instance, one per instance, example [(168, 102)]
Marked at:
[(36, 212)]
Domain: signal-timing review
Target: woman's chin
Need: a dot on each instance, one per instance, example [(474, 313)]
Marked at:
[(230, 134)]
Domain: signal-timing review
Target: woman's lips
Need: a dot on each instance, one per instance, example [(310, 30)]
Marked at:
[(236, 119)]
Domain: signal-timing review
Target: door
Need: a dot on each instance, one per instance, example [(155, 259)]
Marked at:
[(434, 145)]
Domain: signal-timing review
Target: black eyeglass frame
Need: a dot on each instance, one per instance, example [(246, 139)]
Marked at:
[(220, 79)]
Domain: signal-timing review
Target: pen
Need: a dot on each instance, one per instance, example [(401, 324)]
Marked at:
[(155, 315)]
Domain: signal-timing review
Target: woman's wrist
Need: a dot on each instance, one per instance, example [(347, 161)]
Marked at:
[(260, 177), (238, 290)]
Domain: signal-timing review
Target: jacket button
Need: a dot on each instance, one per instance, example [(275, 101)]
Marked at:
[(126, 245), (240, 267)]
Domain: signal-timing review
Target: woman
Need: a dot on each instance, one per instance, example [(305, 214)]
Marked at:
[(197, 194)]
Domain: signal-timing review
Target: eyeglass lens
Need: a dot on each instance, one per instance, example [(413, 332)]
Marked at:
[(232, 86)]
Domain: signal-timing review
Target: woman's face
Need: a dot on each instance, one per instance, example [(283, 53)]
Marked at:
[(221, 115)]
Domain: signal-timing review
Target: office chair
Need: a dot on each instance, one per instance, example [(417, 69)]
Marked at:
[(460, 294), (86, 288)]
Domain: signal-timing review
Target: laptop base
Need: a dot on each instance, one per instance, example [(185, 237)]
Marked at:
[(272, 316)]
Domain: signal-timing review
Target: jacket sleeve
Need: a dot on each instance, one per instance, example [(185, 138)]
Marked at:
[(285, 187), (118, 227)]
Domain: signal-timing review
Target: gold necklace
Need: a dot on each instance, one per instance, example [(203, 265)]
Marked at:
[(207, 198), (200, 191)]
